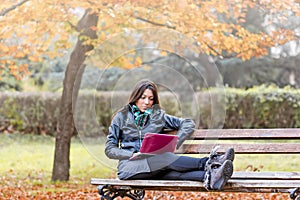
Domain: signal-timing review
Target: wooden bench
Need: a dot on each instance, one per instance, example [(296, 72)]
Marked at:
[(244, 141)]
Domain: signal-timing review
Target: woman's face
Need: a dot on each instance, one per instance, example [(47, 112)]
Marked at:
[(146, 100)]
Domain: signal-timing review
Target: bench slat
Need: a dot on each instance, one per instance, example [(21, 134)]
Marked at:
[(249, 183), (233, 185), (242, 134), (258, 148), (266, 175)]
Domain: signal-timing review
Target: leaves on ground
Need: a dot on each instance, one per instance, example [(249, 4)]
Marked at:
[(34, 188)]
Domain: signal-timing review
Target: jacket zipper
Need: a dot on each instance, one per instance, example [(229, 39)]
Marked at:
[(140, 131), (140, 137)]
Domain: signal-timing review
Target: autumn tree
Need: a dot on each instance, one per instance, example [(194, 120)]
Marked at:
[(32, 30)]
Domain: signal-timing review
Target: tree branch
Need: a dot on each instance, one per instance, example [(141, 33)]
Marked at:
[(155, 23), (211, 48), (220, 55), (4, 12), (72, 26)]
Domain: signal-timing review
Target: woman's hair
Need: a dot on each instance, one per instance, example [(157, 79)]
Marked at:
[(139, 89)]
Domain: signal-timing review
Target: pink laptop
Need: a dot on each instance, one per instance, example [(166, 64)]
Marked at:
[(155, 143)]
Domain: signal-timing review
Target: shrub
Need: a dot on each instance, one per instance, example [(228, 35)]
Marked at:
[(258, 107)]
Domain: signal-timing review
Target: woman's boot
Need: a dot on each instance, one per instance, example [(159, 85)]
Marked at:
[(221, 158), (217, 175)]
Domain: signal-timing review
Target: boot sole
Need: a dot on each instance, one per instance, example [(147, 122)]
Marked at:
[(227, 173)]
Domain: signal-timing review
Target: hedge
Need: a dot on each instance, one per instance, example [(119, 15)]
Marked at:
[(258, 107)]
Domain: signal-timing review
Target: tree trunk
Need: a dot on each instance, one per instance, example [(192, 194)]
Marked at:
[(65, 127)]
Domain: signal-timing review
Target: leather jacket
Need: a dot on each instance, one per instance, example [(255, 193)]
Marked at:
[(124, 130), (125, 138)]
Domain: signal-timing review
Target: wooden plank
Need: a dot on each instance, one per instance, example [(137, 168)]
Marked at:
[(233, 185), (266, 175), (242, 134), (249, 183), (257, 148)]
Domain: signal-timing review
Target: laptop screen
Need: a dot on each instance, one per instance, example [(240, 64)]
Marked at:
[(156, 143)]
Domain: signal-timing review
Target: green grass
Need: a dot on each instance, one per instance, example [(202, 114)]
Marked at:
[(32, 156), (271, 162)]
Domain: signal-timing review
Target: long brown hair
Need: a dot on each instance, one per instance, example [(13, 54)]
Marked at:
[(139, 89)]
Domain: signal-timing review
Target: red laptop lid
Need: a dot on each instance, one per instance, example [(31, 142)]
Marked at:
[(156, 143)]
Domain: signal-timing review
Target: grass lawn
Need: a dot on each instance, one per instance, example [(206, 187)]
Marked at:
[(32, 156)]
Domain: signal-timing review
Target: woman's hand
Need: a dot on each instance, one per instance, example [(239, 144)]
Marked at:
[(136, 156)]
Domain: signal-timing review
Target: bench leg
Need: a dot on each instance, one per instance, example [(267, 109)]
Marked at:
[(108, 192), (295, 194)]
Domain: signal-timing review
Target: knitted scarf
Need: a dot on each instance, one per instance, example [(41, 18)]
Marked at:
[(140, 118)]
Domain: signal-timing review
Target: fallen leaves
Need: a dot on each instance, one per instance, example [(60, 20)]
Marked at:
[(30, 188), (158, 195), (24, 190)]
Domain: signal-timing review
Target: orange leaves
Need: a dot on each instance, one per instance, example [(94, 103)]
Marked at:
[(10, 61), (237, 40), (18, 71), (124, 63), (23, 68), (163, 53), (282, 36), (35, 186), (162, 195), (14, 71), (36, 29), (20, 54), (33, 58), (138, 61), (3, 49), (128, 61)]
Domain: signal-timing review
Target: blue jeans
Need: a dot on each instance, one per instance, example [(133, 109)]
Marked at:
[(169, 166)]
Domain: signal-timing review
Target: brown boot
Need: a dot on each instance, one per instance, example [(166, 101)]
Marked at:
[(218, 174)]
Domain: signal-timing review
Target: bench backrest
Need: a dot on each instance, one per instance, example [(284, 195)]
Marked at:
[(244, 141)]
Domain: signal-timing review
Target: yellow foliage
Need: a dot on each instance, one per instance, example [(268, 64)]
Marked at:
[(23, 68), (31, 28), (33, 58), (4, 49), (20, 54), (163, 53), (138, 61)]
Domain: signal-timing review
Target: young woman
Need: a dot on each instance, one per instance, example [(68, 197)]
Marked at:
[(143, 114)]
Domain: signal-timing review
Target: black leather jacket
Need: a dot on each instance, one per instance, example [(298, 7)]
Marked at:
[(125, 138)]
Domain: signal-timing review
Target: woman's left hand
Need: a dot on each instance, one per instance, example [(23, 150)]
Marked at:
[(136, 156)]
